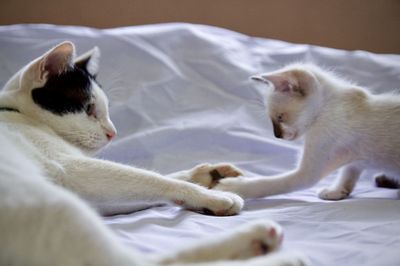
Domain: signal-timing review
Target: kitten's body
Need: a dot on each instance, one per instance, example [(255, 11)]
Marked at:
[(52, 116), (343, 126)]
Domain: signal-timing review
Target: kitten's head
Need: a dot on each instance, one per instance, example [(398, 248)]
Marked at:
[(61, 91), (292, 99)]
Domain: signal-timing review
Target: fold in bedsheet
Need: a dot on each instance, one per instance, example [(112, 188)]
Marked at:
[(180, 95)]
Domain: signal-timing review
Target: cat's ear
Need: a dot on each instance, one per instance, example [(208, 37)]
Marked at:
[(282, 83), (57, 60), (89, 61), (53, 62)]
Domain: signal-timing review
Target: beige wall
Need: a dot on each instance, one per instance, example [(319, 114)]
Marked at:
[(372, 25)]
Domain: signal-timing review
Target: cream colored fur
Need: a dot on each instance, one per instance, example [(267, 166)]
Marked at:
[(344, 126)]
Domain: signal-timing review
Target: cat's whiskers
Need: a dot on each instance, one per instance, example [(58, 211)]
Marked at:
[(258, 108)]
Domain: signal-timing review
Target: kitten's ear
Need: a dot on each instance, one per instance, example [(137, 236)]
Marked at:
[(282, 82), (89, 61), (259, 78)]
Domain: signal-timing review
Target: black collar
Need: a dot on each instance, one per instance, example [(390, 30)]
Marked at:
[(8, 109)]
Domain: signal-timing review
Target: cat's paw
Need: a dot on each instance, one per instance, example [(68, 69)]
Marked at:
[(333, 194), (214, 203), (259, 238), (209, 175)]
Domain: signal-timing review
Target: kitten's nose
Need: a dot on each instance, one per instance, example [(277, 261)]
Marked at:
[(277, 130)]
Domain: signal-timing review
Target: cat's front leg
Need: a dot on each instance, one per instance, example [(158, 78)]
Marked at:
[(343, 185), (115, 188), (207, 175), (249, 240)]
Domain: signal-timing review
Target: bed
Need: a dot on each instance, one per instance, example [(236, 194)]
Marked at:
[(180, 95)]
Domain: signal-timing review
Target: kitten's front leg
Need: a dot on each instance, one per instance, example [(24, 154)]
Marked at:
[(257, 187), (319, 159), (114, 188), (207, 175)]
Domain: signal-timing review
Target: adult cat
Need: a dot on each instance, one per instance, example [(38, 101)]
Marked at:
[(55, 104), (343, 125), (53, 115)]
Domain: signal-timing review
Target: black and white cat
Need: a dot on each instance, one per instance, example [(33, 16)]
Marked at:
[(344, 126), (53, 116)]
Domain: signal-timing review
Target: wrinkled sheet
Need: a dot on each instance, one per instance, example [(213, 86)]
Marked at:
[(180, 95)]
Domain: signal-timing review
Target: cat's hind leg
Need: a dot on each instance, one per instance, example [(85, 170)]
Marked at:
[(343, 185), (253, 239), (206, 174)]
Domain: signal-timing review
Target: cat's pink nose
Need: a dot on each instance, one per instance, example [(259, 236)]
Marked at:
[(110, 135)]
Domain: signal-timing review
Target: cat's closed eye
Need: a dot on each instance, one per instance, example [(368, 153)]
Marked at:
[(90, 109)]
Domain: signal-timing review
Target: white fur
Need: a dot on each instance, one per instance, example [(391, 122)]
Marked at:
[(46, 172), (344, 126)]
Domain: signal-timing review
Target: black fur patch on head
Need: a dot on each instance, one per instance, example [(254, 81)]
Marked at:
[(68, 92)]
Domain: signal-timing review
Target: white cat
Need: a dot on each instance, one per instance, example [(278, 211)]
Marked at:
[(343, 126), (53, 115)]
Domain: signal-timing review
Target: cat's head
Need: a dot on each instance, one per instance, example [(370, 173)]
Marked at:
[(292, 99), (60, 90)]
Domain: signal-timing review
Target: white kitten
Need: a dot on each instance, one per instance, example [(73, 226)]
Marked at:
[(343, 126), (52, 116)]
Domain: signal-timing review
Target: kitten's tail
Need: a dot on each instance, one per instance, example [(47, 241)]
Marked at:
[(386, 182)]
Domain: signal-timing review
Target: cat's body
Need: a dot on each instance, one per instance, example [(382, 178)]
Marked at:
[(53, 115), (343, 126), (64, 120)]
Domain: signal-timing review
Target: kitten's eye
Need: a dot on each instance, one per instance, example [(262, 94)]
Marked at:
[(90, 109)]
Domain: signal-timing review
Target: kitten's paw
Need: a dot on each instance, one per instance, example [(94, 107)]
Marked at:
[(209, 175), (235, 185), (333, 194), (215, 203)]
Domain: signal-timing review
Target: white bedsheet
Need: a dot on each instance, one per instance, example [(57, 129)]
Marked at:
[(181, 96)]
